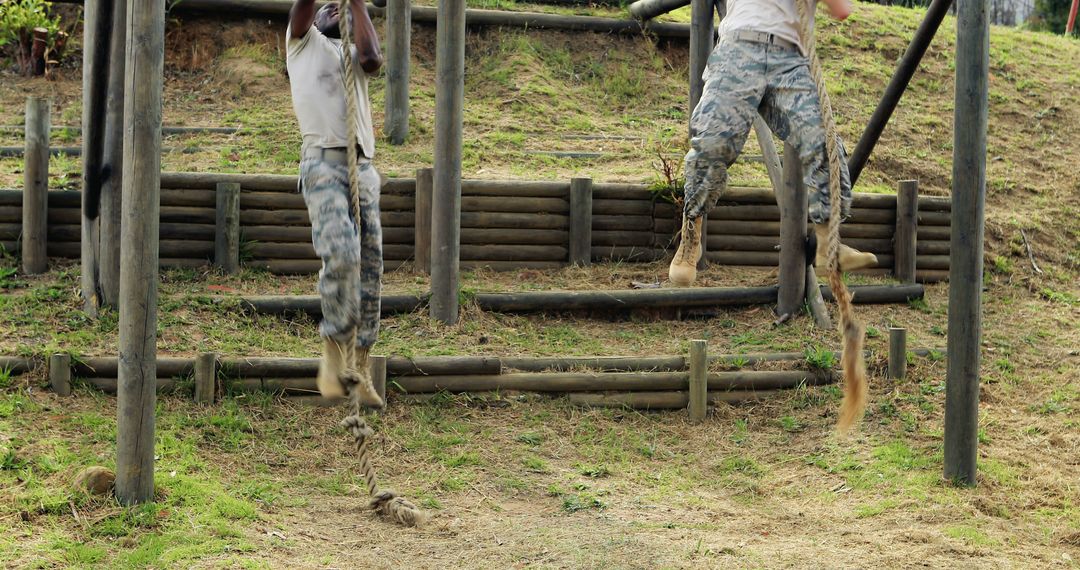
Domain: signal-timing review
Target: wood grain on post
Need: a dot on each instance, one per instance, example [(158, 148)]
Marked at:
[(227, 228), (205, 377), (97, 21), (792, 237), (35, 203), (816, 301), (897, 353), (60, 374), (966, 249), (446, 194), (768, 154), (378, 373), (422, 224), (112, 166), (398, 33), (905, 239), (701, 45), (137, 371), (581, 206), (699, 385)]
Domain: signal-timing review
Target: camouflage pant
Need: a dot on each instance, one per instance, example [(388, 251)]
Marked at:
[(743, 78), (349, 282)]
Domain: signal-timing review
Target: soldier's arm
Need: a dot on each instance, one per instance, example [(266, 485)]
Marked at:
[(367, 43), (839, 9), (301, 16)]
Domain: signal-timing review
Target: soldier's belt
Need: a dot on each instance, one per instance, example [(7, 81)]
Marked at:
[(762, 38), (337, 154)]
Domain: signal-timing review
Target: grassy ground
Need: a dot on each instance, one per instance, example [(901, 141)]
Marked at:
[(259, 482)]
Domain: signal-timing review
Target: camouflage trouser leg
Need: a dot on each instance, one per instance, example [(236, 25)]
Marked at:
[(734, 85), (350, 279), (744, 78), (792, 109)]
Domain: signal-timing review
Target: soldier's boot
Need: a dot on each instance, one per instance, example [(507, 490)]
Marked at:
[(683, 269), (334, 361), (358, 377), (850, 258)]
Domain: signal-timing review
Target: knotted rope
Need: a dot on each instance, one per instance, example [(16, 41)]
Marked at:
[(851, 360), (386, 503)]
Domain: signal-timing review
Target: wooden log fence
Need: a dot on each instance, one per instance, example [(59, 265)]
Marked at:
[(648, 382), (531, 230)]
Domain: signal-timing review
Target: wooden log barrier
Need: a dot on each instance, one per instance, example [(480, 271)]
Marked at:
[(905, 245), (669, 400)]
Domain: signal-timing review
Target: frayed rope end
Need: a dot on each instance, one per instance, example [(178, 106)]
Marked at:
[(397, 509)]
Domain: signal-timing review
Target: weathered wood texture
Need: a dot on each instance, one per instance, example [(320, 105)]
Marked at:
[(227, 228), (139, 254), (897, 353), (398, 34), (60, 374), (112, 165), (699, 385), (581, 210), (36, 187), (968, 226), (793, 206), (905, 240), (446, 195)]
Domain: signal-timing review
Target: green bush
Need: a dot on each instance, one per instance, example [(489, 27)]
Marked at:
[(18, 19)]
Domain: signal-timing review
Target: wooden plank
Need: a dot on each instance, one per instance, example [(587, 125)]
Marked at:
[(699, 384), (905, 240), (227, 228), (581, 211), (398, 33), (792, 258), (422, 223)]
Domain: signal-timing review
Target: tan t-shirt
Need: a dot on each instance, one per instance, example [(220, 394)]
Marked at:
[(777, 17), (316, 75)]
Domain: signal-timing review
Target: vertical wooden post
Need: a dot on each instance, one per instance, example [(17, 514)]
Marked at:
[(35, 204), (137, 373), (792, 237), (60, 374), (227, 228), (446, 193), (966, 244), (701, 45), (815, 300), (703, 261), (907, 226), (97, 21), (422, 221), (112, 165), (205, 377), (398, 32), (897, 353), (378, 371), (699, 385), (768, 154), (580, 221)]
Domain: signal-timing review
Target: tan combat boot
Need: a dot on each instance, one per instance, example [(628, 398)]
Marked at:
[(360, 377), (331, 368), (683, 270), (850, 258)]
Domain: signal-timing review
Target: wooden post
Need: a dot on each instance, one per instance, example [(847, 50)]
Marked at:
[(35, 206), (422, 221), (699, 384), (60, 374), (701, 45), (769, 156), (97, 21), (966, 244), (792, 238), (112, 165), (137, 372), (378, 371), (227, 228), (897, 353), (815, 300), (907, 225), (205, 377), (580, 221), (398, 32), (446, 193)]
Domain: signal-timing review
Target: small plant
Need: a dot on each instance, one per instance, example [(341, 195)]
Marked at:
[(790, 424), (19, 19), (530, 438), (5, 377), (669, 183), (581, 502), (820, 358), (594, 471)]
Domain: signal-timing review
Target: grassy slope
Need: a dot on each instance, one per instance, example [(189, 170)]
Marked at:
[(255, 483)]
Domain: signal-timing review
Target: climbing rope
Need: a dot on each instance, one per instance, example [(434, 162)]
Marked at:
[(851, 360), (386, 503)]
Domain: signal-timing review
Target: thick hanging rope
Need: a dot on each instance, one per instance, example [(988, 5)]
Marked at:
[(851, 360), (386, 503)]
